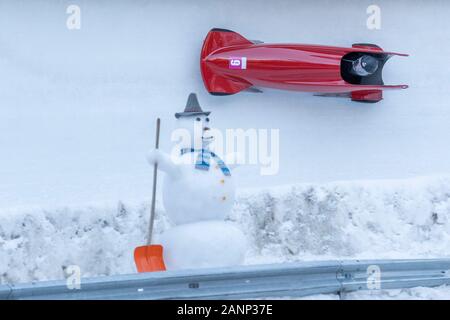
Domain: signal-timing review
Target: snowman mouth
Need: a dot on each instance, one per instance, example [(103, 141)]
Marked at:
[(207, 139)]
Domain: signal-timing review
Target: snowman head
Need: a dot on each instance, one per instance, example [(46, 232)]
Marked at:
[(196, 122)]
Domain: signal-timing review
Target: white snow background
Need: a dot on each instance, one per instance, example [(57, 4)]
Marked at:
[(77, 112), (417, 293), (361, 219)]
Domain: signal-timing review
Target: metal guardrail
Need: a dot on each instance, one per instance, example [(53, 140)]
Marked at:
[(256, 281)]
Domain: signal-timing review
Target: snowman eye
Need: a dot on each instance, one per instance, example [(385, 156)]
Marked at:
[(198, 119), (207, 119)]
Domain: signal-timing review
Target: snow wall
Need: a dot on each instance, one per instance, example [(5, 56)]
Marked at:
[(361, 219)]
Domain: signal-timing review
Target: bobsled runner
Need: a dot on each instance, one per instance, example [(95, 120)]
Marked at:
[(230, 63)]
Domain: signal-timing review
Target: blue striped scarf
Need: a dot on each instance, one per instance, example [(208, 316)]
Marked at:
[(204, 158)]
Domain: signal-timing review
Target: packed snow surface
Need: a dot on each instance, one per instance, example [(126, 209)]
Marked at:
[(417, 293), (205, 244), (360, 219), (78, 107)]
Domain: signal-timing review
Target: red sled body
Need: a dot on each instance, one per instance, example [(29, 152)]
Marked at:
[(230, 63)]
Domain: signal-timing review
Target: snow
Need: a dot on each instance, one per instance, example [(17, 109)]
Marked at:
[(340, 220), (192, 195), (417, 293), (203, 244), (79, 106), (365, 219), (78, 112)]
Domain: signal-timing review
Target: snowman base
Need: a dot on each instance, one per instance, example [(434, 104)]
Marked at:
[(206, 244)]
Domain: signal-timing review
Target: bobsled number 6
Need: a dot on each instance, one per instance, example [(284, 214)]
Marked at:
[(230, 63)]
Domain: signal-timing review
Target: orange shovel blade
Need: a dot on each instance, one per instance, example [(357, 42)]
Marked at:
[(149, 258)]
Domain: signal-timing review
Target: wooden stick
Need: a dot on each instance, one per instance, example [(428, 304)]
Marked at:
[(155, 173)]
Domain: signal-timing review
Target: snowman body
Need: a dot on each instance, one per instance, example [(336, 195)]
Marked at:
[(197, 195), (197, 199), (203, 244)]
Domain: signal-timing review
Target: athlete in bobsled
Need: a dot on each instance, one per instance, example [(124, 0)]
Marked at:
[(230, 63)]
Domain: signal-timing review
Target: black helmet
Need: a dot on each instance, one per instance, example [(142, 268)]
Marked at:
[(365, 65)]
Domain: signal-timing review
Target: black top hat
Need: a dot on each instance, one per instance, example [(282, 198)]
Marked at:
[(192, 108)]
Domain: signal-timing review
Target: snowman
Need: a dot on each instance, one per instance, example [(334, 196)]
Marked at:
[(198, 193)]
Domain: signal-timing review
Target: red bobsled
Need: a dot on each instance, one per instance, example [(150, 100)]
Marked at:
[(230, 63)]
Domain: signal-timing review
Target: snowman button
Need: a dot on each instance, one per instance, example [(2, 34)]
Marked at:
[(224, 198), (222, 181)]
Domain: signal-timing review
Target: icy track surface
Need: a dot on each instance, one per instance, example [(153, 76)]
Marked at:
[(78, 108), (372, 219)]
